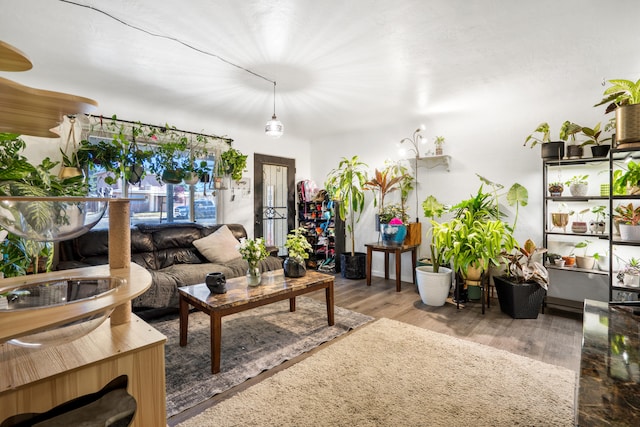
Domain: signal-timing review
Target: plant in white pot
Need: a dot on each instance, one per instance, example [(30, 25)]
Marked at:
[(434, 281), (578, 185), (522, 290), (627, 217), (629, 275)]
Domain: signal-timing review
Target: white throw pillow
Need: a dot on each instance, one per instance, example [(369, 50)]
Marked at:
[(219, 247)]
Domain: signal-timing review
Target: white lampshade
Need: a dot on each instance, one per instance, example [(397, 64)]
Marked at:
[(274, 127)]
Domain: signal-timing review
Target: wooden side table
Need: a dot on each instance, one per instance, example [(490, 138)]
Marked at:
[(397, 251)]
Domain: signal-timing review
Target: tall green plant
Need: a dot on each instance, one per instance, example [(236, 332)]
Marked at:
[(621, 92), (345, 183), (434, 209)]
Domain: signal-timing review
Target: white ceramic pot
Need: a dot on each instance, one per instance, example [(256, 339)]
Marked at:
[(629, 232), (433, 287), (579, 189), (631, 280)]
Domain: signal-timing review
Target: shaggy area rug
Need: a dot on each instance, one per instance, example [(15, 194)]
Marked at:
[(393, 374), (252, 341)]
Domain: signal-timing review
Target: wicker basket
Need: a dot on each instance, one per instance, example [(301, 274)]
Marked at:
[(628, 126)]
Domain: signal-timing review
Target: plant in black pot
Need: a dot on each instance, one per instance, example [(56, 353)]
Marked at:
[(599, 148), (522, 290), (345, 183), (552, 149), (298, 247)]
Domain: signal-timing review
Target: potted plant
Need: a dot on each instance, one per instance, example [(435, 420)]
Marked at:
[(521, 291), (71, 165), (627, 217), (623, 97), (298, 250), (345, 183), (578, 185), (552, 149), (561, 218), (585, 261), (474, 239), (167, 159), (629, 275), (434, 280), (598, 149), (598, 225), (556, 189), (439, 142), (626, 181), (382, 183), (580, 226), (234, 163)]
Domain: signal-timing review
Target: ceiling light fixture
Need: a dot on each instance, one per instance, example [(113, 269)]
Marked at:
[(274, 127)]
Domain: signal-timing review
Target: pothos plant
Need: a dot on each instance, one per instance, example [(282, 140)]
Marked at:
[(234, 163)]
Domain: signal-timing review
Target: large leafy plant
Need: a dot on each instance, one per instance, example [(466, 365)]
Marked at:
[(346, 183), (18, 177), (621, 92)]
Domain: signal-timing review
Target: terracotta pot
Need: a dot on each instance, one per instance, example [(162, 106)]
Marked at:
[(569, 261)]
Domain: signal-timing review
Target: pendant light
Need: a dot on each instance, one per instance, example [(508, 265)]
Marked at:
[(274, 127)]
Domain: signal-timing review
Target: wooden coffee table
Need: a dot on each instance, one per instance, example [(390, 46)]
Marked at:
[(240, 297)]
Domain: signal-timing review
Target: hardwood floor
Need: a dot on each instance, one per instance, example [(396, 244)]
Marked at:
[(554, 337)]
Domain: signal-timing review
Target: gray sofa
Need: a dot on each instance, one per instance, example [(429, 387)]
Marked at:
[(166, 251)]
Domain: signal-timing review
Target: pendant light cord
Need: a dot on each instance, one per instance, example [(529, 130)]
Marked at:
[(176, 40)]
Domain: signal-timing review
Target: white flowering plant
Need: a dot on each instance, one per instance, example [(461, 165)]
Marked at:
[(253, 250)]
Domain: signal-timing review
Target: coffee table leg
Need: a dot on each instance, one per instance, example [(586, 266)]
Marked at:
[(330, 315), (184, 321), (292, 304), (216, 342)]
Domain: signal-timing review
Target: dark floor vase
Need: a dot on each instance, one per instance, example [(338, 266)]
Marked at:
[(519, 300), (293, 268), (552, 150), (353, 267)]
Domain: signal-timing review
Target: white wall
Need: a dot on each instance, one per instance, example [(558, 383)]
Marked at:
[(487, 140)]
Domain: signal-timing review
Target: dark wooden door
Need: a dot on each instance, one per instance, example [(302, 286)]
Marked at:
[(274, 199)]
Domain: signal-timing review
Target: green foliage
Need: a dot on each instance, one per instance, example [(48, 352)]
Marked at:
[(593, 135), (234, 163), (577, 179), (391, 211), (297, 244), (346, 183), (567, 130), (621, 179), (621, 92)]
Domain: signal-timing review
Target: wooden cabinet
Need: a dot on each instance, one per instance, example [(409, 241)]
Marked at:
[(36, 380)]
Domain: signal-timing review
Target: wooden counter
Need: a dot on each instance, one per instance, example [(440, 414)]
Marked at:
[(36, 380)]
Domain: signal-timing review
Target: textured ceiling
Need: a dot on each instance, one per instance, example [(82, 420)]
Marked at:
[(339, 65)]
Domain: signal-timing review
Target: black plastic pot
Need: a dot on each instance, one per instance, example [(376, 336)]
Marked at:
[(519, 300), (600, 150), (552, 150), (353, 267)]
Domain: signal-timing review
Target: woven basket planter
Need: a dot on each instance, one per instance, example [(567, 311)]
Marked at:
[(628, 126)]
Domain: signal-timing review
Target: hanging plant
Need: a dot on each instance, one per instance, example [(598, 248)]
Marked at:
[(234, 163)]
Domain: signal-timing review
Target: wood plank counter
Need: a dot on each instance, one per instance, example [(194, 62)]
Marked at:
[(36, 380)]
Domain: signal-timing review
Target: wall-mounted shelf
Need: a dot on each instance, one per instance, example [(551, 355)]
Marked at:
[(431, 162)]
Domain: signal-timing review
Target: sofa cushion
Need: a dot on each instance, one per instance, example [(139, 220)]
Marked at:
[(219, 247)]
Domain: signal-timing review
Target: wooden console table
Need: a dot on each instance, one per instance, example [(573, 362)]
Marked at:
[(397, 251)]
